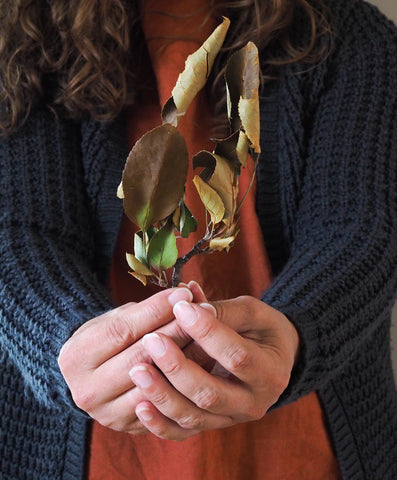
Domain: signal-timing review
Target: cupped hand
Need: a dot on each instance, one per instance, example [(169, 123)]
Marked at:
[(254, 347), (96, 360)]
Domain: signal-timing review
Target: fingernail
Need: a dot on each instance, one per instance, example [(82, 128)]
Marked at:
[(154, 344), (180, 294), (185, 313), (193, 285), (141, 376), (144, 414), (210, 308)]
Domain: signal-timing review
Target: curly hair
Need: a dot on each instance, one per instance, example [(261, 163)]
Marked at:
[(75, 55)]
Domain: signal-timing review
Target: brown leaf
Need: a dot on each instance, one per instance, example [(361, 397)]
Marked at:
[(154, 176), (242, 79)]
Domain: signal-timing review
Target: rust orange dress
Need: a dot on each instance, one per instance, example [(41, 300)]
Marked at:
[(290, 443)]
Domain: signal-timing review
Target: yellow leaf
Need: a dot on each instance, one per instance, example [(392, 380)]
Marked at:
[(137, 266), (248, 109), (221, 243), (120, 191), (223, 182), (211, 200), (242, 148), (198, 66)]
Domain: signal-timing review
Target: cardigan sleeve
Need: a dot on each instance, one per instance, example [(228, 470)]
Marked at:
[(47, 281), (339, 195)]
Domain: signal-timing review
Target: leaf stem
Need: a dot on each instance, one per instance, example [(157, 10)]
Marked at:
[(248, 188)]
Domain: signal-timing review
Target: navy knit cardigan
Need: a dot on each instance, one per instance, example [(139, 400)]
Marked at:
[(327, 204)]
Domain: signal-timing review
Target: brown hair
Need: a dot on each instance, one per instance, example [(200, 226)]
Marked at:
[(74, 54)]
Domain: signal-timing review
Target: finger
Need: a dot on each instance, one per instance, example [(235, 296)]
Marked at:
[(236, 354), (171, 403), (119, 413), (197, 291), (208, 392), (112, 332), (159, 425), (111, 378)]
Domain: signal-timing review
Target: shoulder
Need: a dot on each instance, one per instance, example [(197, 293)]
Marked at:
[(359, 27)]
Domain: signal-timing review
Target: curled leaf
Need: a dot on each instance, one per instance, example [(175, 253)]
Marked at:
[(211, 200), (248, 109), (197, 69), (222, 180), (221, 243), (242, 80), (154, 176)]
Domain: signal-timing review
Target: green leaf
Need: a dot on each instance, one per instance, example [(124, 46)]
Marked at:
[(187, 222), (197, 69), (139, 247), (162, 251), (211, 200), (154, 176)]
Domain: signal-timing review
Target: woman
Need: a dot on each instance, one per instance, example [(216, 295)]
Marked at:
[(316, 344)]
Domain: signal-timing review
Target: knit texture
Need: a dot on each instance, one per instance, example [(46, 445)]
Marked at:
[(327, 203)]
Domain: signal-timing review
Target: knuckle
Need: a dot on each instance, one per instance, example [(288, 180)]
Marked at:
[(191, 422), (119, 331), (238, 359), (208, 399), (255, 413), (84, 398), (172, 368), (151, 310), (159, 398), (207, 329)]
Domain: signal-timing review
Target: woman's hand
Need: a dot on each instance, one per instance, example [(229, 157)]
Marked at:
[(96, 360), (254, 346)]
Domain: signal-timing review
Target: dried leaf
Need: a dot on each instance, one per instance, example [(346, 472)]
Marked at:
[(207, 162), (120, 192), (211, 200), (222, 180), (197, 69), (154, 176), (242, 79), (248, 109), (136, 265), (242, 148), (162, 251), (221, 243), (141, 278), (233, 150)]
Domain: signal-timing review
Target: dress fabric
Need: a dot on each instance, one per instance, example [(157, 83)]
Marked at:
[(289, 443)]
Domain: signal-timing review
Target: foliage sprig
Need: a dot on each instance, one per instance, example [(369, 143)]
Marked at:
[(155, 173)]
